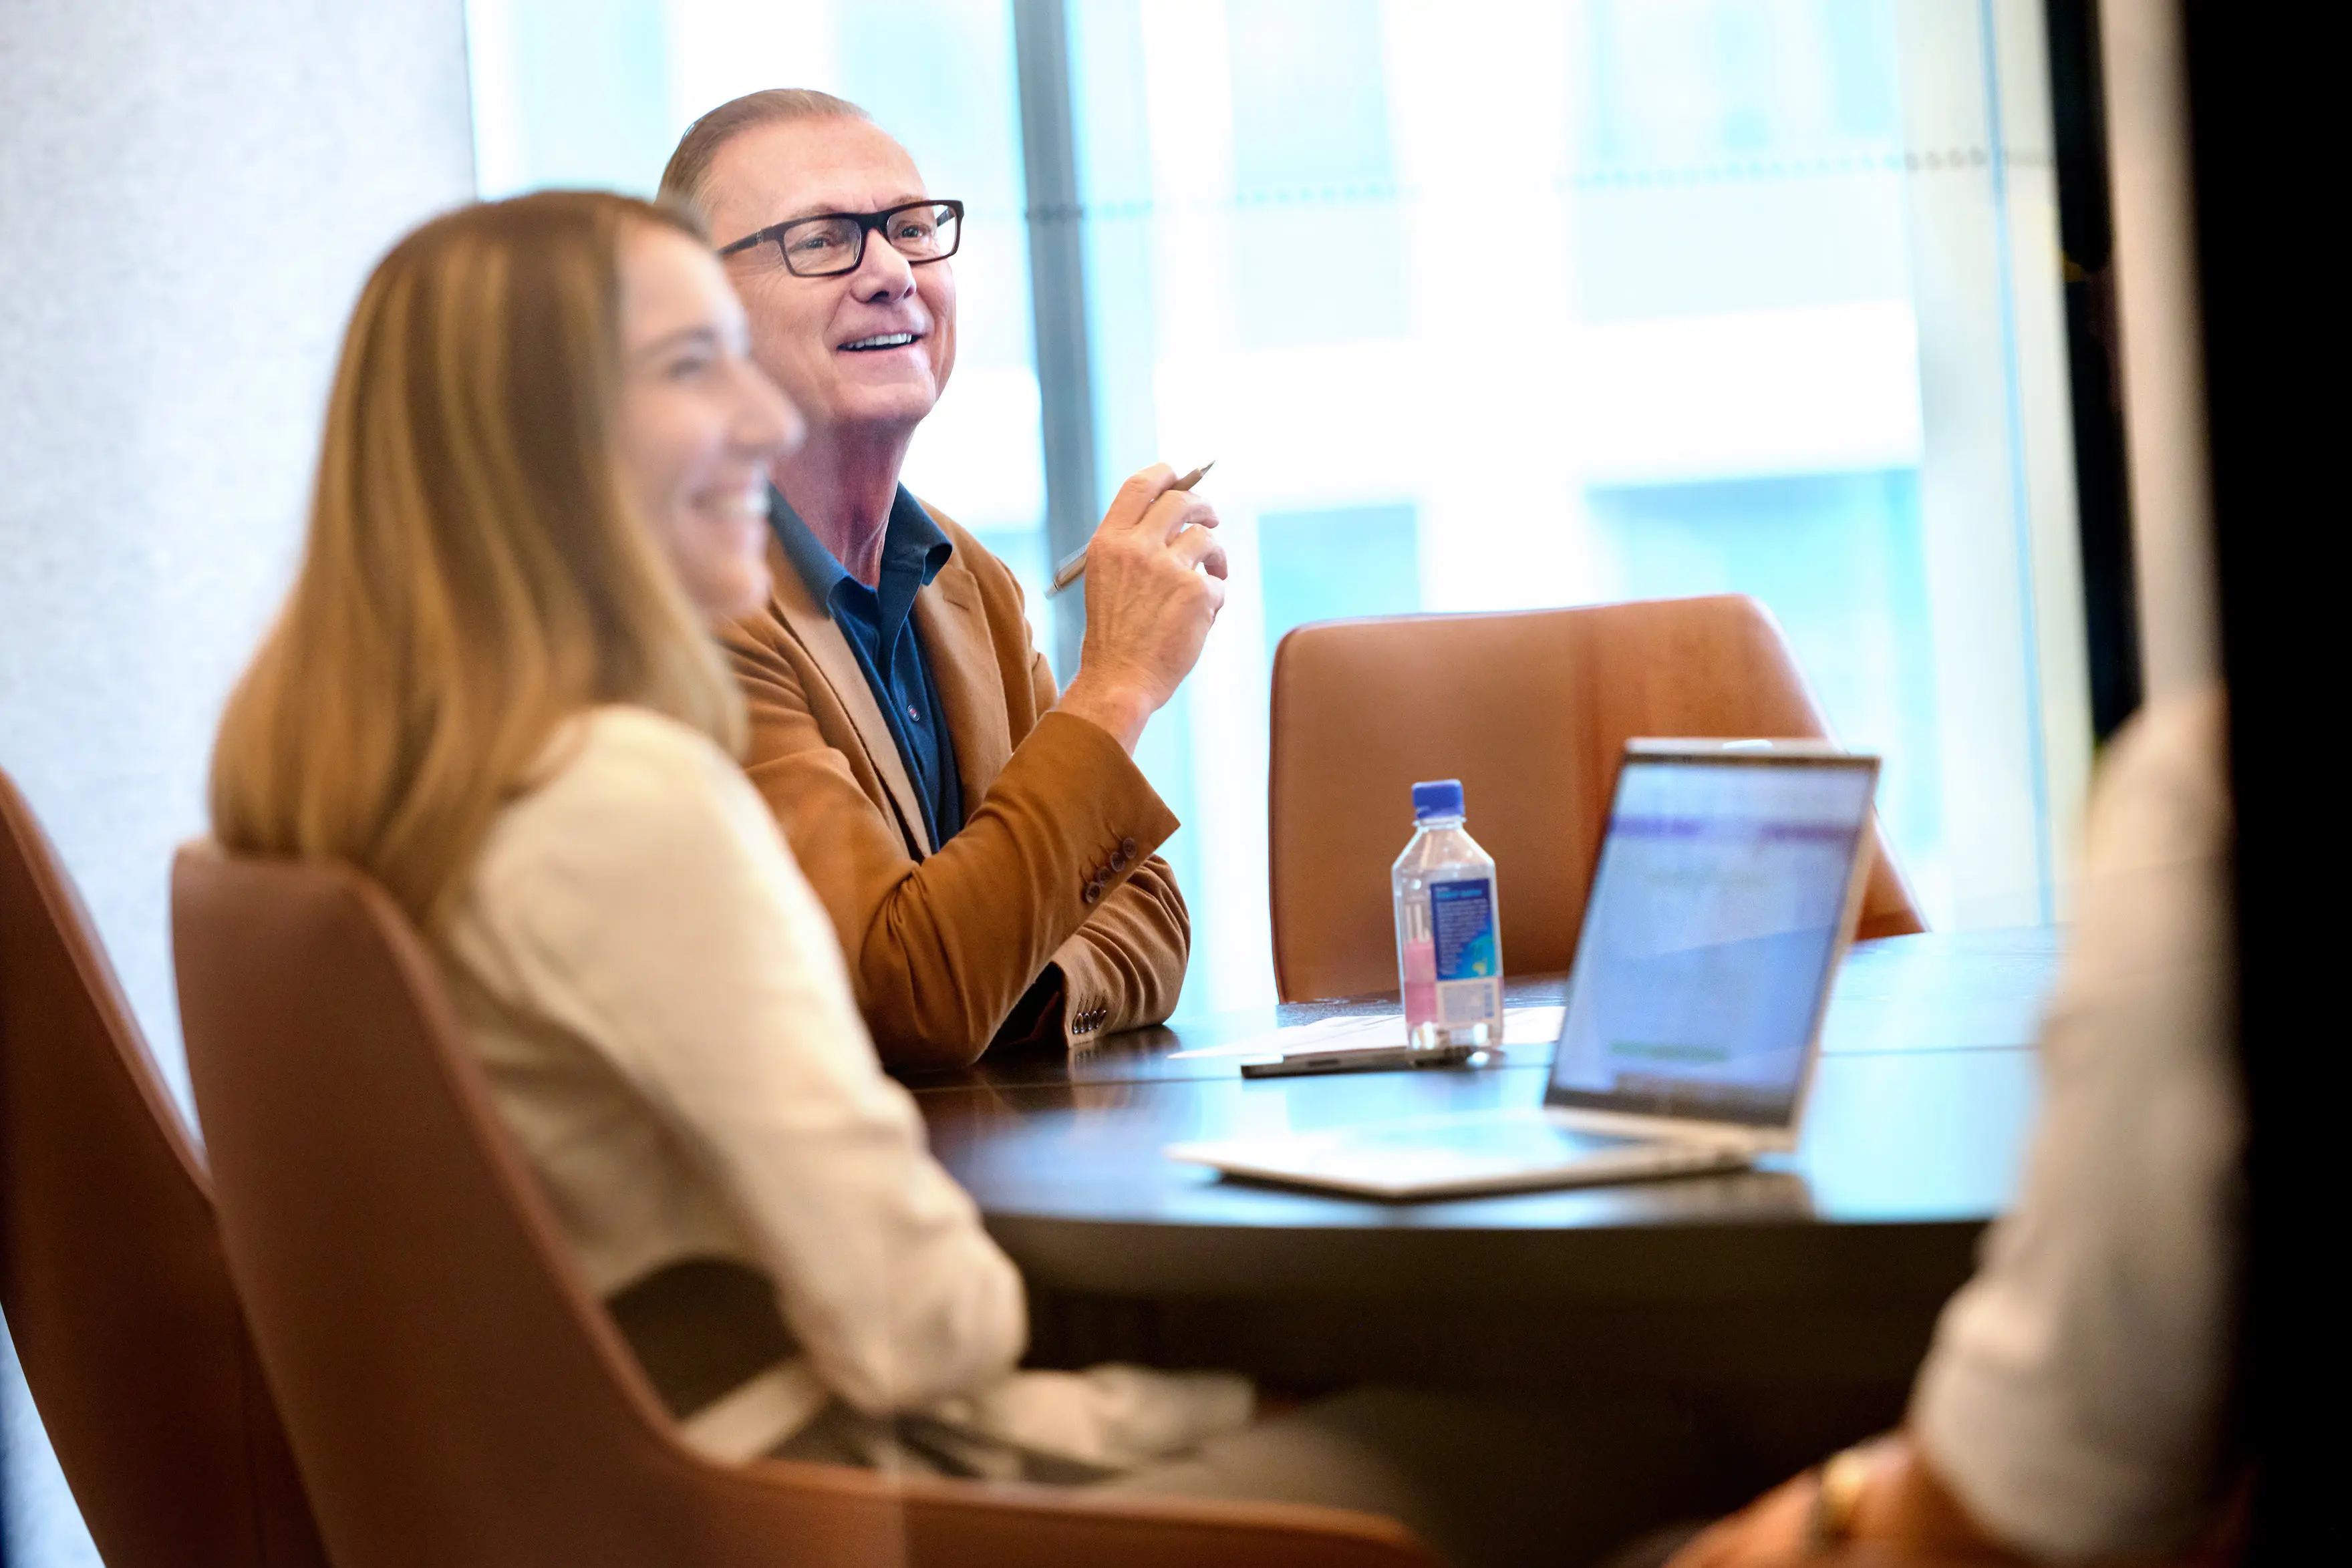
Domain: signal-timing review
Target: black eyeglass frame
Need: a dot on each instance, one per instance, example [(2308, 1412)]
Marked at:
[(867, 223)]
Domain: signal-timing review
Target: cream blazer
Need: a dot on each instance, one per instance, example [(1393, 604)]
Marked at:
[(668, 1029)]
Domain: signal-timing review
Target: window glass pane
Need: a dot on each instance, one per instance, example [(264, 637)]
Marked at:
[(1295, 552), (596, 92), (1313, 180), (1497, 305)]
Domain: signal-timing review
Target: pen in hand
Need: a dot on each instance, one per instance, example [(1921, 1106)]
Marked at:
[(1074, 565)]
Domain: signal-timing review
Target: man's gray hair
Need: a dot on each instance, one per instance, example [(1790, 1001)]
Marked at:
[(685, 182)]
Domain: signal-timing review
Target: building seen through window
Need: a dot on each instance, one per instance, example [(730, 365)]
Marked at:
[(1487, 306)]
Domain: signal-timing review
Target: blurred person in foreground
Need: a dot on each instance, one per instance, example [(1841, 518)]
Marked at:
[(2074, 1405), (494, 688), (984, 844)]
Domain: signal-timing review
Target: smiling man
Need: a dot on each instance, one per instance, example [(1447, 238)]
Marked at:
[(982, 843)]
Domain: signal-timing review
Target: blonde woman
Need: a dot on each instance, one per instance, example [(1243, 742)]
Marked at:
[(494, 689)]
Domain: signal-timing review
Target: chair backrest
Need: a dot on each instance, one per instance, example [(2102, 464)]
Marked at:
[(111, 1266), (1531, 709), (456, 1395)]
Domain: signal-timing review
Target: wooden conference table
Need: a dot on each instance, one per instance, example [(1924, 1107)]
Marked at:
[(1827, 1265)]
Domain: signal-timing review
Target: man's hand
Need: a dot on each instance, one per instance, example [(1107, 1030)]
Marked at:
[(1155, 581)]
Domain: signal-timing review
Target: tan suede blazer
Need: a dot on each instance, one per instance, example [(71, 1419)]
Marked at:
[(1054, 864)]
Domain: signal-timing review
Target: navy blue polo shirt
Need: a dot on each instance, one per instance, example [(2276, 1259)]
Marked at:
[(878, 623)]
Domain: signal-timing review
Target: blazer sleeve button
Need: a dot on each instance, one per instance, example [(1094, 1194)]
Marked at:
[(1127, 848), (1091, 893)]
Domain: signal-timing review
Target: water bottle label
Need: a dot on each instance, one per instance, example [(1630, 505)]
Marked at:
[(1461, 924), (1461, 1002)]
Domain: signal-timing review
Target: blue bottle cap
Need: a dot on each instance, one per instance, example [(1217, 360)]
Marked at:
[(1437, 797)]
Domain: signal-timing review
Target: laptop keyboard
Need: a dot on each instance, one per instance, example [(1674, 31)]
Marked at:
[(1515, 1141)]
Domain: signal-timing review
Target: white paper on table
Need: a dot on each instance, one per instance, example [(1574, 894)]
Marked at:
[(1531, 1025)]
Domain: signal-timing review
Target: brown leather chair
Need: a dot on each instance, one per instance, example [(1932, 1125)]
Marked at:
[(111, 1264), (454, 1394), (1531, 709)]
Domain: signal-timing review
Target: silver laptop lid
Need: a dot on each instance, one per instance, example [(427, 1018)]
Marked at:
[(1728, 880)]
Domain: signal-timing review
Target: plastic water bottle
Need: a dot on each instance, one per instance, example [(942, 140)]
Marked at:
[(1449, 931)]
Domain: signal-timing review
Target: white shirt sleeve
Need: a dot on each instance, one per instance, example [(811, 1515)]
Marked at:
[(654, 904), (2074, 1395)]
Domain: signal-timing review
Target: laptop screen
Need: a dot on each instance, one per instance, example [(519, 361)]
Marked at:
[(1710, 934)]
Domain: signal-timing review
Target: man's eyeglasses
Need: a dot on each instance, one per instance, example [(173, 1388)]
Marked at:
[(831, 244)]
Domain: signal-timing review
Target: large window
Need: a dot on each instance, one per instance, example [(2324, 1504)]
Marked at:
[(1483, 306)]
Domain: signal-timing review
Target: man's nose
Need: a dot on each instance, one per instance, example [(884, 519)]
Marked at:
[(882, 273)]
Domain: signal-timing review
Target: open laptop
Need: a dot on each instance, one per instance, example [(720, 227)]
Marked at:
[(1729, 879)]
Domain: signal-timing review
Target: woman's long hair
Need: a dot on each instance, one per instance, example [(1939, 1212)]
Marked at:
[(474, 574)]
